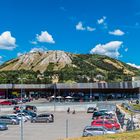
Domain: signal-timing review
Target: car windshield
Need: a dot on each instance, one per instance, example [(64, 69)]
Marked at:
[(103, 110), (112, 121), (12, 116)]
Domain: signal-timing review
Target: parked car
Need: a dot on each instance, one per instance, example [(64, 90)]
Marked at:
[(14, 102), (16, 109), (107, 117), (29, 113), (3, 126), (96, 130), (6, 102), (18, 116), (109, 124), (107, 111), (96, 114), (91, 109), (25, 117), (31, 108), (47, 117), (8, 120)]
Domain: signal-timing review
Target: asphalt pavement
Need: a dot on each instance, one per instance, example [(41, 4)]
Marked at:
[(50, 131)]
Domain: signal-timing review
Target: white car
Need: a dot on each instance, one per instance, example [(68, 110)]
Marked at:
[(25, 119), (96, 130), (107, 111), (18, 117)]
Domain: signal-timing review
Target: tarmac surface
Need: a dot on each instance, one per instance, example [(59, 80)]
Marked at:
[(64, 125), (50, 131)]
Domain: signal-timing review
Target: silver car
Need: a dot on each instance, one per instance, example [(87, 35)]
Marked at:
[(8, 120), (46, 117), (96, 130)]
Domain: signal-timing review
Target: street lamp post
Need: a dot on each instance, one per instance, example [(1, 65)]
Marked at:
[(21, 110), (54, 96)]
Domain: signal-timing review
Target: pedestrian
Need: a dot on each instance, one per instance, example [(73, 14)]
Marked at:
[(73, 111), (68, 110)]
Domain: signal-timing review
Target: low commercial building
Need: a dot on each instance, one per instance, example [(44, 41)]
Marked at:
[(78, 91)]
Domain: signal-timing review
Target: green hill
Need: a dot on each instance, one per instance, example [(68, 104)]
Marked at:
[(59, 66)]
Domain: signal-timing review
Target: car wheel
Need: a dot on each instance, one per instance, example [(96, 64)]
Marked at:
[(14, 123), (47, 121), (113, 128), (88, 135), (33, 121)]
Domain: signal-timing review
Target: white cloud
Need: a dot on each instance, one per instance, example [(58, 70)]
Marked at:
[(7, 42), (45, 37), (33, 42), (79, 26), (117, 32), (110, 49), (102, 20), (90, 29), (134, 65), (37, 50)]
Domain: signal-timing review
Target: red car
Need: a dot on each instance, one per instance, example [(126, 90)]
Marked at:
[(106, 118), (6, 103), (109, 124)]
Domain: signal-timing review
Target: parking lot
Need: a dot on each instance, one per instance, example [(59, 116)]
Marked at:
[(50, 131)]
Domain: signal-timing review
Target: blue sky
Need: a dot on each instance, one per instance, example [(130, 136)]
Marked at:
[(109, 27)]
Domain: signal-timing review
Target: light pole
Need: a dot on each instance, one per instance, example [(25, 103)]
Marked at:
[(54, 96), (66, 128), (21, 109)]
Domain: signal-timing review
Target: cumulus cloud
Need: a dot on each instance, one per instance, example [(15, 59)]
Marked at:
[(90, 29), (45, 37), (102, 20), (134, 65), (117, 32), (79, 26), (110, 49), (37, 50), (7, 42)]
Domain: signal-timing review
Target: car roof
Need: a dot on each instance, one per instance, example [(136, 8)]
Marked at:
[(101, 120), (30, 105), (94, 127), (11, 115), (45, 114), (103, 110)]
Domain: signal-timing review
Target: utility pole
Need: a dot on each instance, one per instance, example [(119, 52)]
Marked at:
[(66, 128), (21, 109), (54, 97)]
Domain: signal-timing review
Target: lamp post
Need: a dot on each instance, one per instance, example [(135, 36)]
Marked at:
[(54, 96), (21, 109)]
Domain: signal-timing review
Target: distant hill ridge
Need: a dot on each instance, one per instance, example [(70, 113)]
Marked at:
[(60, 62)]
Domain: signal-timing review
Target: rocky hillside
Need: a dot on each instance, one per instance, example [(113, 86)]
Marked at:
[(63, 67), (38, 61)]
